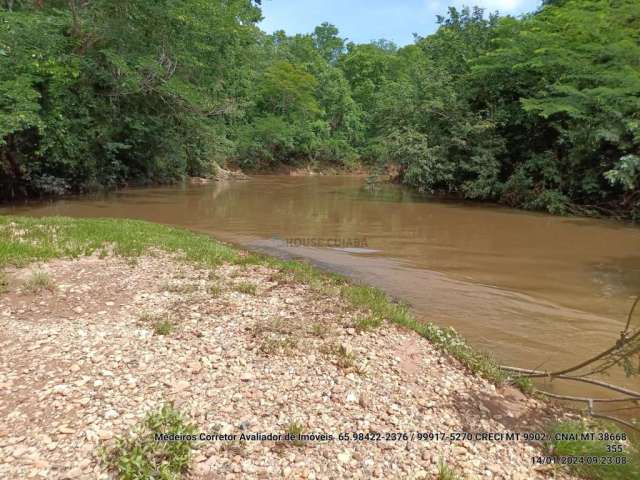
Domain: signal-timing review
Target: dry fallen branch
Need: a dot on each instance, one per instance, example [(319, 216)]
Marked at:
[(590, 402), (627, 346), (582, 399), (538, 374)]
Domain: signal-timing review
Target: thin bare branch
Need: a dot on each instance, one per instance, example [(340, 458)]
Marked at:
[(586, 399), (618, 420), (616, 354), (635, 304), (537, 374)]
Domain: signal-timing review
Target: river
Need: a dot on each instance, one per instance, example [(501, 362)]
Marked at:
[(536, 291)]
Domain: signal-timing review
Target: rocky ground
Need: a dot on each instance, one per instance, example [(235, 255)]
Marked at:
[(82, 361)]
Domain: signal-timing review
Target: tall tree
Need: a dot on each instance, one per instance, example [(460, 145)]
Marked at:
[(329, 44)]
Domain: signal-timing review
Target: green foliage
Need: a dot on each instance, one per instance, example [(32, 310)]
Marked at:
[(140, 456), (626, 172), (425, 121), (327, 42), (445, 472), (537, 112), (564, 86), (288, 90), (95, 94), (163, 327), (524, 384), (303, 111), (247, 288)]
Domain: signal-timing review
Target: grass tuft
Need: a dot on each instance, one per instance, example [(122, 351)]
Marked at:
[(37, 282), (235, 447), (524, 384), (293, 431), (343, 357), (215, 290), (161, 323), (247, 288), (277, 336), (279, 346), (322, 331), (445, 472), (273, 325), (139, 456), (163, 327), (368, 322)]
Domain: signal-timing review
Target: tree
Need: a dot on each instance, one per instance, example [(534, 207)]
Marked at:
[(288, 90), (537, 112), (117, 91), (327, 42), (565, 85)]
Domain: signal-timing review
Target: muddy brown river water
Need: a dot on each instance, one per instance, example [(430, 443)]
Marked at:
[(535, 290)]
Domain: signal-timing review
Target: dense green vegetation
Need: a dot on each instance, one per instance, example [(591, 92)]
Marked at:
[(540, 112)]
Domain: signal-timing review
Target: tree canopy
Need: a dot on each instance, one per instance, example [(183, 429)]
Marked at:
[(539, 112)]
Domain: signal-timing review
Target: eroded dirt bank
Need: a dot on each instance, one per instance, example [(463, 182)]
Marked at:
[(96, 343)]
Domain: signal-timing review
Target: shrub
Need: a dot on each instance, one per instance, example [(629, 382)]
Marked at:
[(140, 457)]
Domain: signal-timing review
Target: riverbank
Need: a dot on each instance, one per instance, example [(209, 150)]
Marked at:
[(310, 169), (106, 321)]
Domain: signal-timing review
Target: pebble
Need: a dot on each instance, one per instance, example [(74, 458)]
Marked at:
[(180, 386), (344, 457), (195, 367), (92, 380), (111, 414)]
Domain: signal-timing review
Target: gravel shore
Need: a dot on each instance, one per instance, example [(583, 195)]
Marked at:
[(249, 351)]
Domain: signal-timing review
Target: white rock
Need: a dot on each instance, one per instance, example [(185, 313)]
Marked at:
[(111, 414), (180, 385), (344, 457)]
